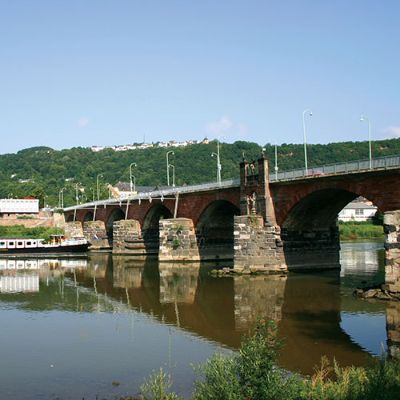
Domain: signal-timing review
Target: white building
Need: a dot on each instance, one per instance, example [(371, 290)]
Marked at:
[(357, 211), (19, 206)]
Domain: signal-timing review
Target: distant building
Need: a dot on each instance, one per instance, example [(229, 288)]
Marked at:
[(359, 210), (18, 207)]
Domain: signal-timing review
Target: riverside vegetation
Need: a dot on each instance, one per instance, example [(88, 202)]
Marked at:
[(252, 374), (20, 231), (360, 230)]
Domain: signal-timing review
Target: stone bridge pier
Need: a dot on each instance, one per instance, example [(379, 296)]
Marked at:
[(391, 225)]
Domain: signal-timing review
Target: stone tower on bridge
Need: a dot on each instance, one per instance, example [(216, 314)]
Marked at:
[(257, 241)]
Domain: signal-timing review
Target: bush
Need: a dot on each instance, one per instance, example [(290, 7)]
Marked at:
[(252, 374)]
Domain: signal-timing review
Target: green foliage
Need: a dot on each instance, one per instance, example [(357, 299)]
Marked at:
[(157, 387), (381, 381), (360, 230), (19, 231), (44, 171), (252, 374)]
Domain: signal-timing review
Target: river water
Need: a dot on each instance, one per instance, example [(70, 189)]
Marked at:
[(77, 328)]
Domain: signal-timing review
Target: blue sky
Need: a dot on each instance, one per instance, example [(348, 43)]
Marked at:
[(95, 72)]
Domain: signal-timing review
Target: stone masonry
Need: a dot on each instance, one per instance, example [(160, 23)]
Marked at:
[(257, 246), (178, 240), (128, 239), (391, 226), (73, 229), (95, 233)]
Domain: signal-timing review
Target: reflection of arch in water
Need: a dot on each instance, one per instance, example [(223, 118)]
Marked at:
[(310, 325), (215, 230), (116, 215)]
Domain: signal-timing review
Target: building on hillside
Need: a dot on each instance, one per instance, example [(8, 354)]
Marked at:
[(359, 210), (12, 208)]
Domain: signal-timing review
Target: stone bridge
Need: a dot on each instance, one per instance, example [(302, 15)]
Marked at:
[(259, 220)]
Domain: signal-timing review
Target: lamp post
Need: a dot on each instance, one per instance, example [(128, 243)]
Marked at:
[(173, 173), (362, 119), (61, 198), (97, 186), (305, 137), (276, 162), (77, 189), (218, 163), (131, 186), (168, 165)]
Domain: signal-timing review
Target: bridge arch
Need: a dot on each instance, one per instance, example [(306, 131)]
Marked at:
[(310, 230), (214, 229), (116, 215), (88, 216), (151, 226), (318, 209), (153, 216)]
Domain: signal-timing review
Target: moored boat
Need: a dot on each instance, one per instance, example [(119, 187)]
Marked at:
[(57, 244)]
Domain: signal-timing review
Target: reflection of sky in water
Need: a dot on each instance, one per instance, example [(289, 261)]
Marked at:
[(367, 330)]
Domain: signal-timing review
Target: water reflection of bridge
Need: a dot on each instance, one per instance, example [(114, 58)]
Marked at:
[(307, 310)]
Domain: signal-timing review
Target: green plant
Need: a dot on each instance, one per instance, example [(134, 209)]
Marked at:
[(176, 243), (157, 386)]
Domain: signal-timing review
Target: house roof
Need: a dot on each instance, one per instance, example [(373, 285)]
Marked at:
[(360, 205)]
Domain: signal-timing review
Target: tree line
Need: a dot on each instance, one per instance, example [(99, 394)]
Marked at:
[(42, 172)]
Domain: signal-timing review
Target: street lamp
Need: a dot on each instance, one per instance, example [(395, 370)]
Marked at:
[(362, 119), (77, 189), (131, 186), (218, 163), (97, 186), (305, 137), (173, 173), (61, 198), (168, 165), (276, 162)]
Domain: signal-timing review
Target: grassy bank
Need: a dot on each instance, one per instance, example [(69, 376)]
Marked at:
[(252, 375), (19, 231), (360, 230)]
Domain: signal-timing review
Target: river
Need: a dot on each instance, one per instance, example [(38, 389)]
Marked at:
[(77, 328)]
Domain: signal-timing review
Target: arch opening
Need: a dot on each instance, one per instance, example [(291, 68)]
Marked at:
[(88, 216), (214, 230), (310, 232), (116, 215), (151, 227)]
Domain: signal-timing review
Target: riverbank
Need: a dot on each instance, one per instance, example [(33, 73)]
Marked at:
[(252, 374), (20, 231), (360, 230)]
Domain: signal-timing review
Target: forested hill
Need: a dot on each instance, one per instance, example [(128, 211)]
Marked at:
[(42, 171)]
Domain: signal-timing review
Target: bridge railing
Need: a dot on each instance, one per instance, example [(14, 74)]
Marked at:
[(381, 163), (339, 169)]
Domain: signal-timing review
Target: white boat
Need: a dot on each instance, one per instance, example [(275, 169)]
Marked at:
[(57, 244)]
